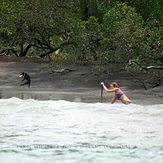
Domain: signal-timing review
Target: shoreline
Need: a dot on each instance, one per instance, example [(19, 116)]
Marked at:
[(85, 96), (80, 85)]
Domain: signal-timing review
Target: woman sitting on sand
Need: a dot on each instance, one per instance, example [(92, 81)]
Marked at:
[(119, 95)]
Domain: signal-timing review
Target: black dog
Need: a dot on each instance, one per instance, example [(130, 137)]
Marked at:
[(26, 78)]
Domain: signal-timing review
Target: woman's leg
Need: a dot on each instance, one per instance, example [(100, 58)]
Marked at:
[(113, 100)]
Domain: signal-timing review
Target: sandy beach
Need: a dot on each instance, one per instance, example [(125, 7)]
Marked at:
[(78, 85)]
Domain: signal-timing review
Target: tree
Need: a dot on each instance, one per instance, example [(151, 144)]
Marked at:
[(122, 30), (149, 9), (29, 25)]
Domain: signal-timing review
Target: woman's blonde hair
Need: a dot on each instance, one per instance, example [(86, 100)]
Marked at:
[(114, 84)]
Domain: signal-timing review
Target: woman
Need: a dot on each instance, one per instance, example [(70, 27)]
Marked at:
[(119, 95)]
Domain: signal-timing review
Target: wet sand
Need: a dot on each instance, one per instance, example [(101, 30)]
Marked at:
[(79, 85)]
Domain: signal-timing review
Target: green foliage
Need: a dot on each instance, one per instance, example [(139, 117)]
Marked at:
[(99, 69), (134, 66), (105, 31), (122, 29), (58, 59), (149, 9)]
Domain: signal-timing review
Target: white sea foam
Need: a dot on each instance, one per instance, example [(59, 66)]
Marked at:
[(44, 131)]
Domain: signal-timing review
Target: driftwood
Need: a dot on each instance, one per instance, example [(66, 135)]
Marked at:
[(149, 83), (143, 67), (64, 70), (154, 67), (156, 83), (140, 81), (158, 79)]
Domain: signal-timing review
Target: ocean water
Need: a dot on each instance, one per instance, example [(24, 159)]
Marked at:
[(63, 131)]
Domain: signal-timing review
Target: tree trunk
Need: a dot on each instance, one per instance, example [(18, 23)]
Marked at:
[(49, 52), (25, 51), (7, 52)]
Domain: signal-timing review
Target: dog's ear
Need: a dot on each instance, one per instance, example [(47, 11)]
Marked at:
[(21, 75)]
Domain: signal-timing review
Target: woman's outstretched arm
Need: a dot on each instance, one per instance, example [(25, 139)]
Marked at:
[(106, 89)]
